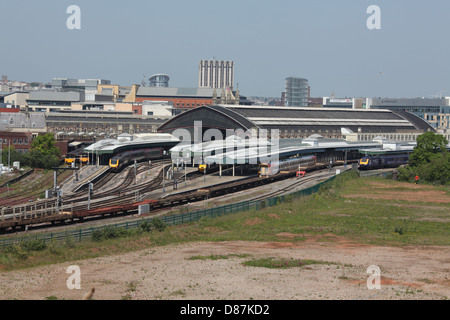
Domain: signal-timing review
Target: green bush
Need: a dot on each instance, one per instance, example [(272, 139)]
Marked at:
[(109, 232), (158, 224), (430, 161), (34, 245), (145, 226), (17, 250), (436, 171)]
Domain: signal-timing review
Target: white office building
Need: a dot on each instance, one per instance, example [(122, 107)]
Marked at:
[(216, 74)]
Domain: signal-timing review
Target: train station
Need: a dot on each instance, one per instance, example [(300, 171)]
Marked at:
[(224, 135), (218, 150), (221, 137), (293, 122)]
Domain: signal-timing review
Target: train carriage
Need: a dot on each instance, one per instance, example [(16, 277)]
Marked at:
[(121, 160), (291, 164), (383, 161)]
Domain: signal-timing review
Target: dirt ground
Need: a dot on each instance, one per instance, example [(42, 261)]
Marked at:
[(167, 273)]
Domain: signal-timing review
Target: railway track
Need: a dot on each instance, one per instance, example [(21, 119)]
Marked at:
[(112, 201), (292, 186), (123, 195), (31, 191)]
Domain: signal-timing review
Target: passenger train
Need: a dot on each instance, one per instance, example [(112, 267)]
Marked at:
[(202, 168), (291, 164), (383, 161), (121, 160), (70, 158)]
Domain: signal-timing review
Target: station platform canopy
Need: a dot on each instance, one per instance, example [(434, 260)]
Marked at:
[(127, 142), (388, 147), (253, 153), (217, 146)]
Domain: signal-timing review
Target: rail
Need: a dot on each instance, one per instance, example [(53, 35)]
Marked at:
[(175, 219)]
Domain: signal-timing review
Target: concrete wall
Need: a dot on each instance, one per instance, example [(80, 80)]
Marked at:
[(18, 98)]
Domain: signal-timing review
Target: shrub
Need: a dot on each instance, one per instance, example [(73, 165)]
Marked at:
[(69, 241), (145, 226), (398, 230), (34, 245), (17, 250), (109, 232), (158, 224)]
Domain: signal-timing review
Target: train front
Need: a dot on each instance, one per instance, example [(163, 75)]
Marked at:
[(364, 163), (114, 163)]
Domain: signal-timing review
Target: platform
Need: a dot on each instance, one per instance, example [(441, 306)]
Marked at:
[(86, 174), (194, 184)]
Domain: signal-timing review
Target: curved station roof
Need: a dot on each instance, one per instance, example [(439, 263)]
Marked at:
[(328, 122)]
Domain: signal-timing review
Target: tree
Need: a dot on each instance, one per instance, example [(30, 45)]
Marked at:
[(43, 152), (430, 160), (46, 145), (37, 159), (428, 145)]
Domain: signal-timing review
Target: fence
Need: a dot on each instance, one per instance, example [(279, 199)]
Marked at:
[(175, 219)]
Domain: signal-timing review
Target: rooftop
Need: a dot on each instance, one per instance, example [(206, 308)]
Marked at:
[(294, 118), (128, 142), (181, 92), (46, 95)]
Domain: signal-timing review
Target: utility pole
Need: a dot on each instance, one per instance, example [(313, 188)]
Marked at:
[(345, 159), (90, 192), (173, 176), (135, 172), (57, 200), (9, 152), (163, 181)]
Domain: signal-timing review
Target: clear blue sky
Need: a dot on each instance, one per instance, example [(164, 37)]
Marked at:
[(324, 41)]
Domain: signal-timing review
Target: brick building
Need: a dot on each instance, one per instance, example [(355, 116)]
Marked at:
[(21, 141), (189, 98)]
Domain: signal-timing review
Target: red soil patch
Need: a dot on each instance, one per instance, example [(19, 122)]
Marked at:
[(390, 282)]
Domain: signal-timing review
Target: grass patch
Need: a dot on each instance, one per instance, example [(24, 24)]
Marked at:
[(218, 256), (282, 263)]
